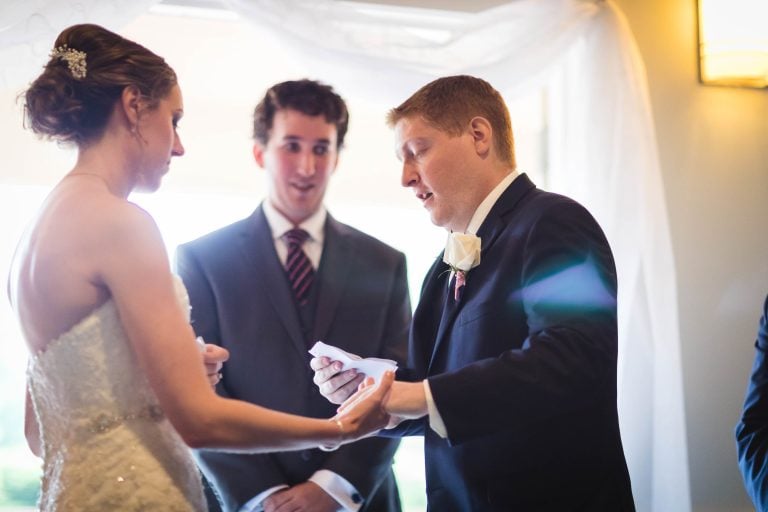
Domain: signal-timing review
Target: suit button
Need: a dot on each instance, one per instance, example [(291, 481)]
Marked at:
[(356, 498), (306, 455)]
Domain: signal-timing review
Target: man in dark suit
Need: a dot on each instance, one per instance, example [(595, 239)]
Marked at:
[(269, 286), (752, 429), (513, 345)]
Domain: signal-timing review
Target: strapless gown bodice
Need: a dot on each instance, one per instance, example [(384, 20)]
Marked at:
[(106, 443)]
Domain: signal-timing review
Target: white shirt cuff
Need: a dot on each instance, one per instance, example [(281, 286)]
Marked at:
[(255, 504), (435, 420), (339, 489)]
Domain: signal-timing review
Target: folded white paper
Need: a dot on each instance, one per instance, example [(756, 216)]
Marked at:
[(370, 366)]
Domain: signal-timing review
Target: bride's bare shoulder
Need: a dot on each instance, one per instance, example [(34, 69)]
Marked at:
[(90, 221), (95, 201)]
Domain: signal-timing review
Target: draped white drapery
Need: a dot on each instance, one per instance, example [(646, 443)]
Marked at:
[(29, 27), (601, 147)]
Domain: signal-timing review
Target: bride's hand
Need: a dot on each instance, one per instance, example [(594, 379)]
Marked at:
[(404, 401), (213, 360), (363, 414)]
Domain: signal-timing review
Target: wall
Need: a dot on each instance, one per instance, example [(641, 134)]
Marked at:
[(714, 160)]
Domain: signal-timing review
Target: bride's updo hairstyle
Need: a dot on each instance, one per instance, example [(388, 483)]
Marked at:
[(72, 99)]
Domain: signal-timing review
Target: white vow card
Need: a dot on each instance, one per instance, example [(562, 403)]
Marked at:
[(370, 366)]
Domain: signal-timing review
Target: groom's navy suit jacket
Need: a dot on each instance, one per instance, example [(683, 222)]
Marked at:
[(523, 367), (241, 299)]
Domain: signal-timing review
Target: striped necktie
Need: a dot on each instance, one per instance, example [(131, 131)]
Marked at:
[(297, 265)]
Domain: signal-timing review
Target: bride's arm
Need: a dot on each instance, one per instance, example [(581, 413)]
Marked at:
[(136, 270)]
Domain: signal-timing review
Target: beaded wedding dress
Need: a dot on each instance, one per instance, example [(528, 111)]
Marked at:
[(106, 444)]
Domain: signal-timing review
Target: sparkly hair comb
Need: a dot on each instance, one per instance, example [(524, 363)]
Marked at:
[(75, 60)]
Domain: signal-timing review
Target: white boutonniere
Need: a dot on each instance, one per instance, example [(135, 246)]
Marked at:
[(462, 254)]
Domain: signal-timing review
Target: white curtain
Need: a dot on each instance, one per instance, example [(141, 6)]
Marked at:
[(29, 27), (601, 148)]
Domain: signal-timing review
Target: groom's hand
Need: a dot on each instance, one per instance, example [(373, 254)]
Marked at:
[(335, 385)]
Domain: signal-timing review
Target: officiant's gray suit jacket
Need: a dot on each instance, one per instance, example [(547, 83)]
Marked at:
[(241, 300)]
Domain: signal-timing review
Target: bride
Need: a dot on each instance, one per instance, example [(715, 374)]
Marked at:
[(117, 390)]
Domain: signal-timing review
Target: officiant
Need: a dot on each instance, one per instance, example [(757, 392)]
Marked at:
[(268, 286)]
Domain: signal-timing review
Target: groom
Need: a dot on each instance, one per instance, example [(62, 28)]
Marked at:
[(512, 347)]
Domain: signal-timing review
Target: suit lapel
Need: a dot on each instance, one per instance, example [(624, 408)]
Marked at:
[(451, 308), (427, 316), (332, 276), (489, 232), (259, 251)]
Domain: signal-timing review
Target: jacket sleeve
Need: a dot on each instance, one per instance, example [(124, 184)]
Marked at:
[(752, 429), (398, 317), (202, 300)]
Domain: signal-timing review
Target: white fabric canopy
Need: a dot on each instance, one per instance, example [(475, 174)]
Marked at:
[(29, 27), (601, 148)]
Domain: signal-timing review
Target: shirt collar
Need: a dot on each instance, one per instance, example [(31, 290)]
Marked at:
[(313, 225), (485, 206)]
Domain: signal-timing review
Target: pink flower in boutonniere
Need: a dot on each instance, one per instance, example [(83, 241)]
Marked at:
[(462, 254)]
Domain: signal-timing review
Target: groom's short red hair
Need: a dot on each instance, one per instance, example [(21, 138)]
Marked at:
[(450, 103)]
